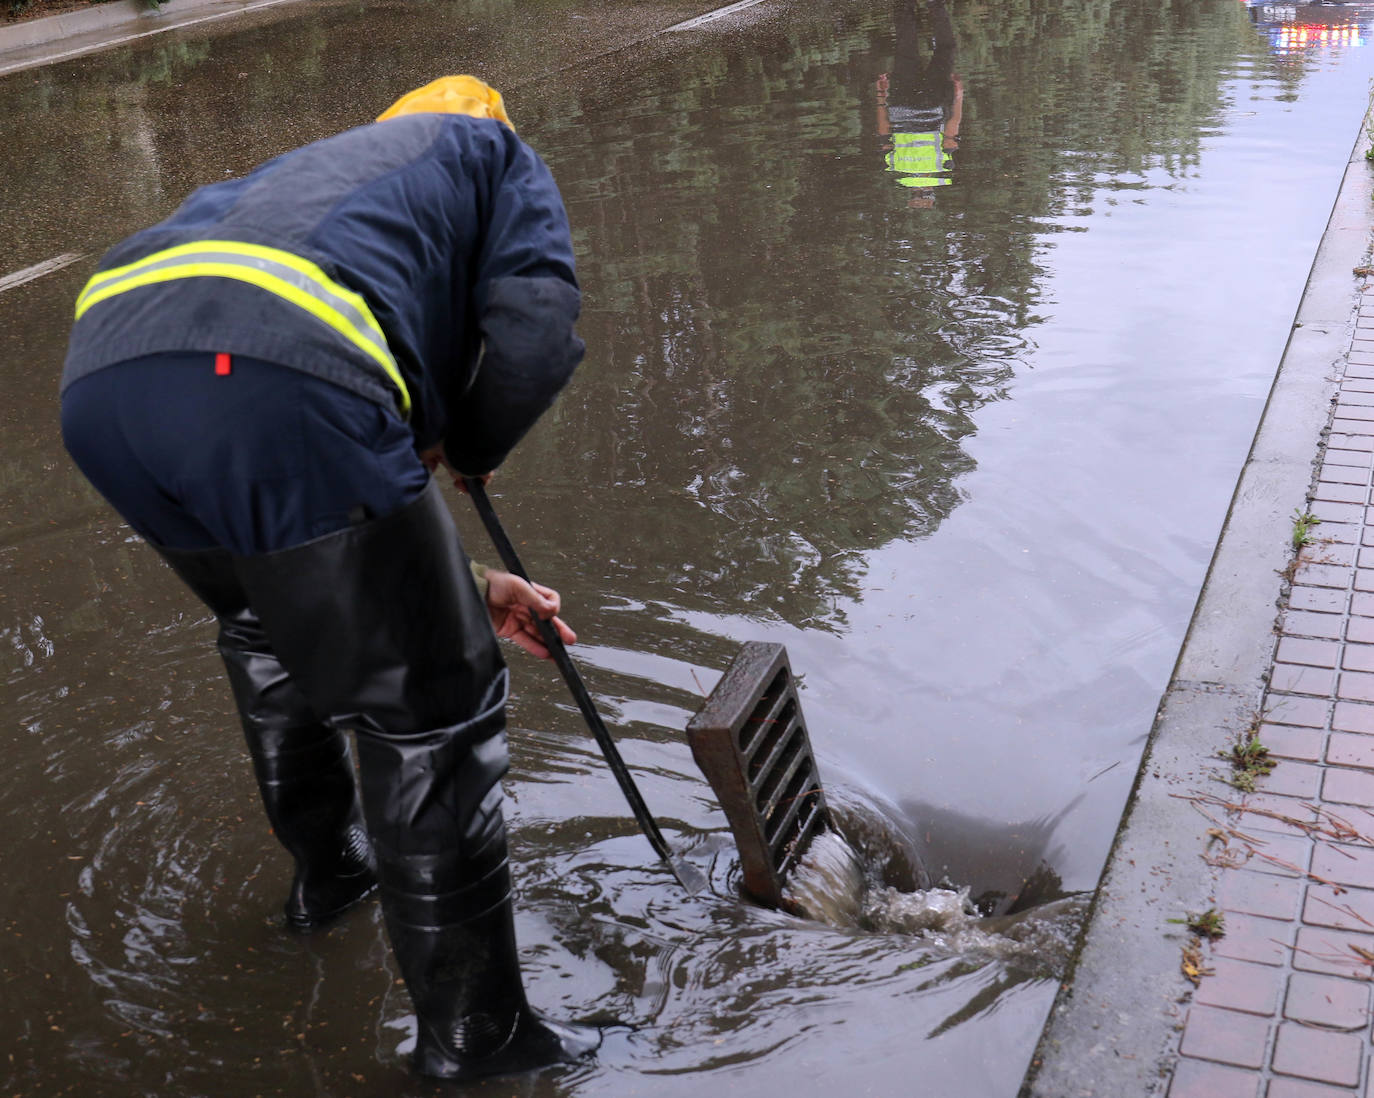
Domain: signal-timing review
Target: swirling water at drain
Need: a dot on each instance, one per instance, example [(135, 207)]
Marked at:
[(175, 926), (839, 885)]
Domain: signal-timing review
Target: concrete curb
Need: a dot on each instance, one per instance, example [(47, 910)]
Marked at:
[(68, 24), (70, 34), (1114, 1026)]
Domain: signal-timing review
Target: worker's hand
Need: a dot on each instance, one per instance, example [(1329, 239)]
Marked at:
[(458, 479), (433, 457), (513, 604)]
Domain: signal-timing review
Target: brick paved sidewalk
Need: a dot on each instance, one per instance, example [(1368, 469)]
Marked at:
[(1284, 1008)]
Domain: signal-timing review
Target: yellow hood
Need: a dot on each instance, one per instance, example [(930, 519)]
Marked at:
[(451, 95)]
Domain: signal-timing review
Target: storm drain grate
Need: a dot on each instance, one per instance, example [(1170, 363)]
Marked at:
[(750, 741)]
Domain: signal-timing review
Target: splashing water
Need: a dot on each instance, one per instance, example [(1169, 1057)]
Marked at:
[(833, 885), (828, 884)]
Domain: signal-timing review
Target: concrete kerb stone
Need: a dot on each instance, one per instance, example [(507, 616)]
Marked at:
[(69, 24), (53, 38), (1114, 1028), (60, 37)]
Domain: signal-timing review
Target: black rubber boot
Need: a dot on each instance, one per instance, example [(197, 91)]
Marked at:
[(455, 943), (304, 767), (383, 629)]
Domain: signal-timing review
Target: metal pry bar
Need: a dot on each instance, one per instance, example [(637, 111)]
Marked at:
[(691, 878)]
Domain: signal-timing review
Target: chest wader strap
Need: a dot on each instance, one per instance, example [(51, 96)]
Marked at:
[(290, 277)]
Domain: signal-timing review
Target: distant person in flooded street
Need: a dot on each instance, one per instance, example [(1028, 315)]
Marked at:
[(263, 384), (919, 106)]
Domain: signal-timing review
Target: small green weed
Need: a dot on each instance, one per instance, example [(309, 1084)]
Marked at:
[(1211, 924), (1303, 521), (1249, 760), (1369, 123)]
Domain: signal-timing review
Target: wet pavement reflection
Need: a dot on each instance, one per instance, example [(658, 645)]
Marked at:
[(927, 340)]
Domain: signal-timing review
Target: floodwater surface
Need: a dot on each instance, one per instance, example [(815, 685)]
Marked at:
[(926, 342)]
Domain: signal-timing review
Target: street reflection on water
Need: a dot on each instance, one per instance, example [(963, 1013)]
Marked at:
[(927, 340)]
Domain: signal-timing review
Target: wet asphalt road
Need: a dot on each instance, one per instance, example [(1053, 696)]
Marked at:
[(966, 458)]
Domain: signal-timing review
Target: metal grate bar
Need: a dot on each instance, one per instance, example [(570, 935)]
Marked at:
[(750, 741), (782, 782), (765, 714), (780, 729), (810, 823)]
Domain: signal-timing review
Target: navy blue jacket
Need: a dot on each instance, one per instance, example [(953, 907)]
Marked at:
[(452, 230)]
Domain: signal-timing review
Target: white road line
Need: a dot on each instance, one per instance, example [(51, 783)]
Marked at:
[(712, 16), (38, 270)]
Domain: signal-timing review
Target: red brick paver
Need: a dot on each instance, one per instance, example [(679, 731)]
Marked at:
[(1285, 1007), (1241, 985), (1251, 893), (1327, 1001), (1200, 1079), (1300, 1088), (1226, 1037), (1318, 1054), (1285, 742), (1349, 717)]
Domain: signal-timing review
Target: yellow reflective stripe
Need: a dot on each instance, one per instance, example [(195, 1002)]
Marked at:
[(272, 284), (251, 251), (361, 329)]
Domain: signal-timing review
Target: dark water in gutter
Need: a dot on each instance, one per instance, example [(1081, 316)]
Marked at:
[(967, 460)]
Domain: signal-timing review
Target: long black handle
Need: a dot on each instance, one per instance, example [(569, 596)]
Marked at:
[(556, 648)]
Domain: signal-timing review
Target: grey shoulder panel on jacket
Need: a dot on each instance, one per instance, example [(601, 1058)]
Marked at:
[(302, 188)]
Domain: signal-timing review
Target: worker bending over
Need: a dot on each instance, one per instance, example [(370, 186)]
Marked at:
[(262, 385)]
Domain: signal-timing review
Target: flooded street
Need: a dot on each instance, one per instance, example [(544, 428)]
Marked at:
[(957, 423)]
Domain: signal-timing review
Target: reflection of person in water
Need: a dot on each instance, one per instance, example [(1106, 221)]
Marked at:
[(919, 106)]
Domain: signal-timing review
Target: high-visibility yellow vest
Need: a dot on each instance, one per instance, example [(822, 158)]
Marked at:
[(296, 280), (921, 158)]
